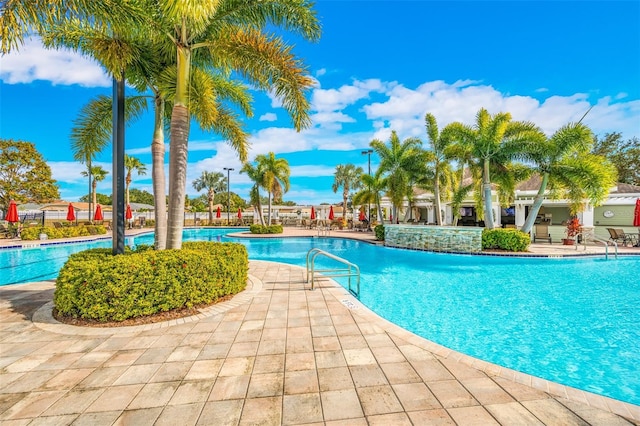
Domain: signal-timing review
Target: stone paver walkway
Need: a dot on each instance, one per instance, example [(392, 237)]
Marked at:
[(277, 353)]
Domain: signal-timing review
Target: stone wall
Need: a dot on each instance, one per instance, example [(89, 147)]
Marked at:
[(434, 238)]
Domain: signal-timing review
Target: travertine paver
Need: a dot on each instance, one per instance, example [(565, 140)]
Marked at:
[(276, 354)]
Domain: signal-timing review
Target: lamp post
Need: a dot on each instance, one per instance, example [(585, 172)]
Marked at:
[(368, 152), (228, 169)]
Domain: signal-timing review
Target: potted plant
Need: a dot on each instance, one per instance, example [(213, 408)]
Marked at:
[(574, 227)]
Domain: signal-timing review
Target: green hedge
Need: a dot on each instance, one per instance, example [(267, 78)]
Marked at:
[(33, 233), (505, 239), (261, 229), (97, 285), (379, 230)]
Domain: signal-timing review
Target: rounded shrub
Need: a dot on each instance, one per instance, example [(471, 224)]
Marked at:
[(261, 229), (33, 233), (94, 284), (505, 239), (379, 230)]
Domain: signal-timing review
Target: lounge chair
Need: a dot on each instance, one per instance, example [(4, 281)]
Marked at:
[(4, 231), (623, 237), (57, 225), (542, 233)]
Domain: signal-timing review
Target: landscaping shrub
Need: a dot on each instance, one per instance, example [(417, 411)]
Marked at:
[(94, 284), (261, 229), (379, 230), (505, 239), (33, 233)]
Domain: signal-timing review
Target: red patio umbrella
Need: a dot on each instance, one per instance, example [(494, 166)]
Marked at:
[(361, 217), (71, 213), (98, 215), (128, 215), (239, 213), (636, 214), (313, 213), (331, 213), (218, 213), (12, 213)]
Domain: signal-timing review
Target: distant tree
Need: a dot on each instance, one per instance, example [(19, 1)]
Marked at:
[(24, 175), (140, 196), (213, 182), (103, 199), (347, 177), (625, 155), (132, 164), (237, 202), (275, 177), (256, 174), (288, 203), (372, 186), (97, 174)]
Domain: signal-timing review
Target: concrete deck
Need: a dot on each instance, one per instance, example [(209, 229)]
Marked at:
[(275, 354)]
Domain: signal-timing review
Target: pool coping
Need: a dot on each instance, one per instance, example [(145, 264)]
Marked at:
[(44, 320)]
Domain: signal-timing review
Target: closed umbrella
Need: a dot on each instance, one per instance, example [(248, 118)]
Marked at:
[(331, 213), (218, 213), (636, 214), (12, 213), (239, 213), (361, 217), (128, 215), (71, 213), (313, 213), (98, 215)]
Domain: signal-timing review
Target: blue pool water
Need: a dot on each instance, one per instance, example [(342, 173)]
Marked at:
[(572, 321)]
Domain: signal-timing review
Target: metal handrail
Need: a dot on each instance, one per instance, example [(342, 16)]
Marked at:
[(351, 270), (598, 239)]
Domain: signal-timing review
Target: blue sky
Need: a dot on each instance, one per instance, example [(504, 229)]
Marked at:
[(379, 66)]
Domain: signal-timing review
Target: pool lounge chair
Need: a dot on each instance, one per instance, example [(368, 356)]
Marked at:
[(621, 236), (542, 233)]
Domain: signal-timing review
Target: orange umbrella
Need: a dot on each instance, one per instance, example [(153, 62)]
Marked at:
[(128, 214), (218, 213), (313, 213), (239, 213), (331, 213), (98, 215), (12, 214), (71, 213)]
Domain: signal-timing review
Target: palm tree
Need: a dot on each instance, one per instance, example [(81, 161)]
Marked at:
[(213, 182), (493, 142), (347, 176), (401, 163), (275, 181), (256, 174), (98, 174), (131, 164), (567, 167), (370, 194), (229, 35)]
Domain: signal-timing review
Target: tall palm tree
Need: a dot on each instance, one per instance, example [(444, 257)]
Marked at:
[(401, 162), (213, 182), (275, 181), (256, 174), (371, 186), (494, 141), (567, 167), (347, 176), (98, 174), (131, 164), (230, 35)]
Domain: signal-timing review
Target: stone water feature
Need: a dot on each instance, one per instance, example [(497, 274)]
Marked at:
[(457, 239)]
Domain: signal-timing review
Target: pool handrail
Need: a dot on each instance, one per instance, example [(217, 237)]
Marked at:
[(352, 269), (584, 236)]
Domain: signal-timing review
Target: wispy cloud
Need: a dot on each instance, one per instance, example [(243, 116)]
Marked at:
[(33, 62), (268, 117)]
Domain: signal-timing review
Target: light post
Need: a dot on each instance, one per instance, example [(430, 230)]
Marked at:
[(228, 169), (368, 152)]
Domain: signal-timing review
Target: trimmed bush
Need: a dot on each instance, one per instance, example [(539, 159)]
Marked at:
[(260, 229), (94, 284), (505, 239), (33, 233), (379, 230)]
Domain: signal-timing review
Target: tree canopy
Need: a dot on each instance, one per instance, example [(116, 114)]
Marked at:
[(24, 175), (625, 155)]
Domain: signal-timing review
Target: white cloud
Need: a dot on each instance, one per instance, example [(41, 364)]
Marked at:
[(321, 72), (327, 100), (542, 90), (34, 62), (268, 117), (311, 170)]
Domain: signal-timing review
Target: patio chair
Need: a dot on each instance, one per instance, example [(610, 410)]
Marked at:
[(57, 225), (4, 231), (542, 233), (624, 237)]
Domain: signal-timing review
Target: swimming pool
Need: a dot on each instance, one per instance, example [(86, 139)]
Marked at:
[(573, 321)]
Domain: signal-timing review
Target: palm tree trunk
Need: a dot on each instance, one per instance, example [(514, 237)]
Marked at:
[(436, 196), (159, 190), (90, 191), (94, 197), (379, 209), (269, 211), (127, 183), (345, 194), (179, 151), (211, 196), (537, 202), (486, 187)]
